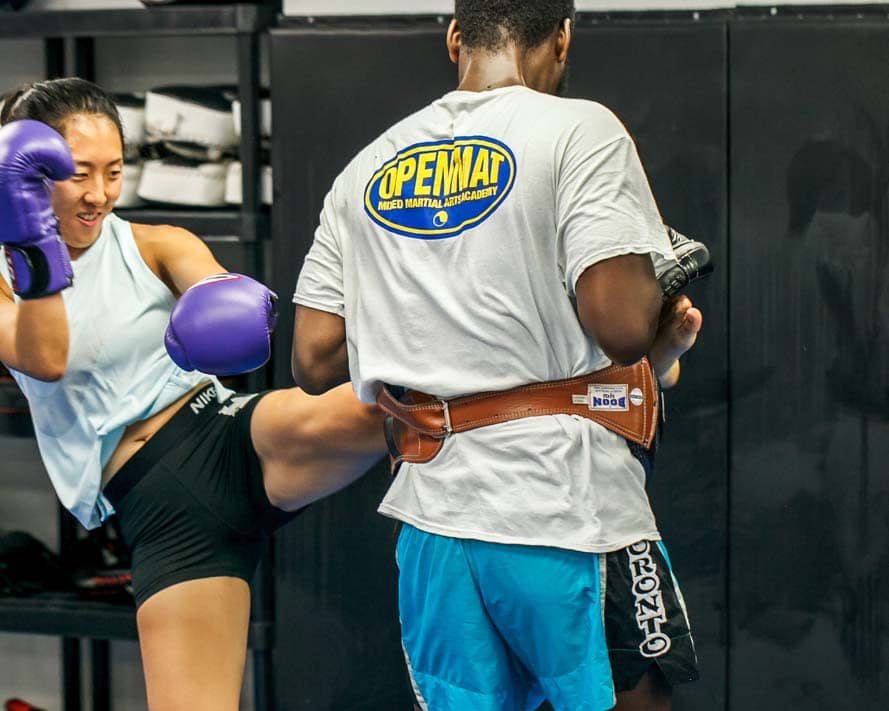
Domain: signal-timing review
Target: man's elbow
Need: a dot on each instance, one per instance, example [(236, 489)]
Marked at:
[(309, 375), (624, 356), (311, 386), (629, 345)]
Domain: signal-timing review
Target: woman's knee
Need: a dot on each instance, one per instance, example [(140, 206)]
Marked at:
[(282, 426)]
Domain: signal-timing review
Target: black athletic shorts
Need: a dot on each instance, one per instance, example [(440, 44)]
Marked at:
[(646, 621), (191, 501)]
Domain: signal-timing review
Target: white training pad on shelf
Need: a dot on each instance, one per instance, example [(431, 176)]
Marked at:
[(233, 190), (131, 108), (132, 175), (265, 117), (200, 185), (200, 115)]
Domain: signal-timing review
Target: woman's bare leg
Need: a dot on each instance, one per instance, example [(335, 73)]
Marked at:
[(311, 446), (193, 637)]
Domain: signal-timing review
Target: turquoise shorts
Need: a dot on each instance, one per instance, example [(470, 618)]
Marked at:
[(493, 627)]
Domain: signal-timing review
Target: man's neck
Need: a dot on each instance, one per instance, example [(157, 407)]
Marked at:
[(481, 70)]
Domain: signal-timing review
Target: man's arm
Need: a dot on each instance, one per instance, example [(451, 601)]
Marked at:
[(319, 359), (618, 303)]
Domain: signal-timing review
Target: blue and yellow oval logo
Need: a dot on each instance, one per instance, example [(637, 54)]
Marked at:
[(440, 189)]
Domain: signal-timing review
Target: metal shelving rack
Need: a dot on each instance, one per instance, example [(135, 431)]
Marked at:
[(69, 37)]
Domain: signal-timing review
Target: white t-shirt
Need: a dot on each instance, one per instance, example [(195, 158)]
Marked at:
[(451, 245)]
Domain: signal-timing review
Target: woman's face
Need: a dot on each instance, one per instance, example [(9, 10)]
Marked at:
[(84, 200)]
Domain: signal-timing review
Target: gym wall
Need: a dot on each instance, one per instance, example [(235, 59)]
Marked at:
[(764, 136), (422, 7)]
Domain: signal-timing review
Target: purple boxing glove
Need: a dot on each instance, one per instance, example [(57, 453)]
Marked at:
[(32, 155), (222, 325)]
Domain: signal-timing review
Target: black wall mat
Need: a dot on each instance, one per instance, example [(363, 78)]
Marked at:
[(809, 589), (338, 645), (667, 83), (334, 91)]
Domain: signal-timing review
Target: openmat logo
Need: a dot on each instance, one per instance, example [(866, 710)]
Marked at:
[(440, 189)]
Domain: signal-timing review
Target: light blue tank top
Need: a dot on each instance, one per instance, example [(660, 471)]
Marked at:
[(118, 369)]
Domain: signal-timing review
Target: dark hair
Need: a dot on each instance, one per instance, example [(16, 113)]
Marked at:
[(489, 24), (53, 101)]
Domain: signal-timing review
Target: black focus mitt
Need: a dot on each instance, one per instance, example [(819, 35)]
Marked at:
[(693, 263)]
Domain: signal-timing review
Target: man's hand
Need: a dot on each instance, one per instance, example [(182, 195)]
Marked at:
[(678, 330)]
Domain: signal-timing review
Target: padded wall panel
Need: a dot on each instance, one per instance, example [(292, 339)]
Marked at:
[(335, 90), (810, 365), (667, 83)]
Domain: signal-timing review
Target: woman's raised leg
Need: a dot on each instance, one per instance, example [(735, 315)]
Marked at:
[(311, 446)]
